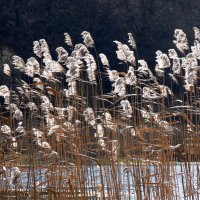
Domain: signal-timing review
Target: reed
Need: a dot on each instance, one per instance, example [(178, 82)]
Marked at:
[(64, 137)]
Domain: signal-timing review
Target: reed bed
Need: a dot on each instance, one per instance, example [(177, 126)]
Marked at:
[(74, 128)]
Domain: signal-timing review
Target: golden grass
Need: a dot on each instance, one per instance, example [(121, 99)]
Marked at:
[(65, 153)]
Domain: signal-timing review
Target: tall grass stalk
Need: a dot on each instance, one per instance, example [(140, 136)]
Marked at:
[(63, 137)]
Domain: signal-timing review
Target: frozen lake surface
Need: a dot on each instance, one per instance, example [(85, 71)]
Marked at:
[(180, 180)]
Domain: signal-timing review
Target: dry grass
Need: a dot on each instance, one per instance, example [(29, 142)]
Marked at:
[(63, 137)]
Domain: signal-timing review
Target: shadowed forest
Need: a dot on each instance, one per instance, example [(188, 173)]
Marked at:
[(151, 21)]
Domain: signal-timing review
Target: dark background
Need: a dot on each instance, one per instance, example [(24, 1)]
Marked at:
[(151, 21)]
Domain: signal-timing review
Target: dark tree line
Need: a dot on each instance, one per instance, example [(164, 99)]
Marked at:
[(151, 21)]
